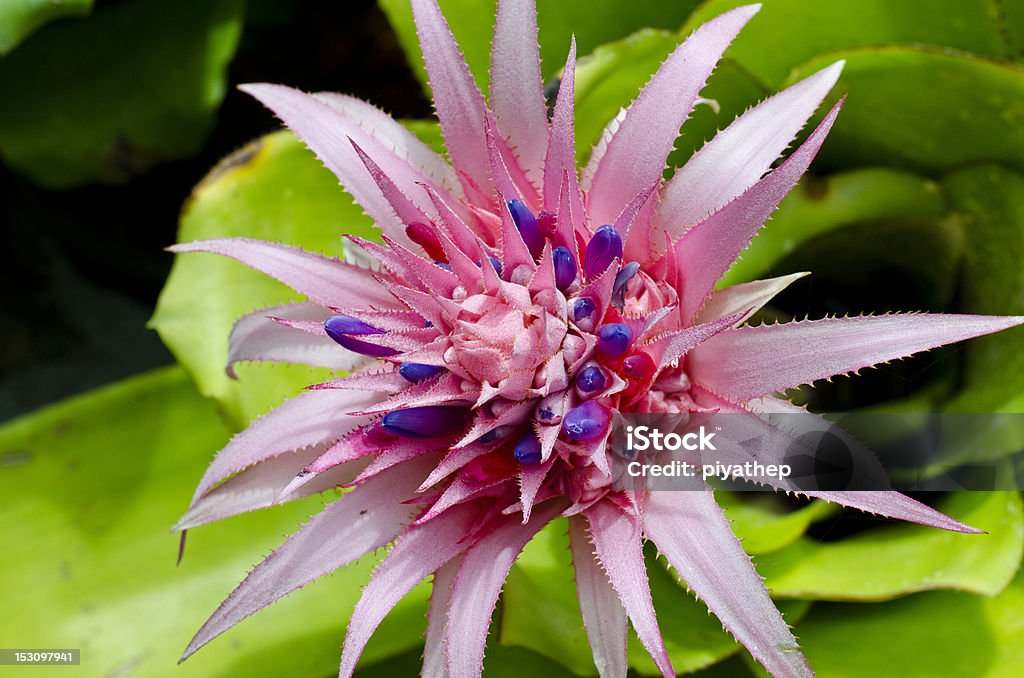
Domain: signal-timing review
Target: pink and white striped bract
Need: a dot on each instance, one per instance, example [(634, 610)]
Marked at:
[(513, 306)]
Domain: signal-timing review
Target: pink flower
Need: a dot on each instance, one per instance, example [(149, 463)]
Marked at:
[(513, 308)]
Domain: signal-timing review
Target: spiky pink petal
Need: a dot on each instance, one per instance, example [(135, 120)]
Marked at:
[(328, 134), (478, 583), (747, 297), (779, 437), (404, 208), (604, 618), (365, 519), (560, 157), (435, 659), (457, 99), (668, 349), (517, 90), (886, 503), (325, 280), (635, 156), (421, 550), (709, 248), (257, 338), (735, 158), (616, 538), (750, 362), (691, 531), (395, 137), (262, 485), (308, 419)]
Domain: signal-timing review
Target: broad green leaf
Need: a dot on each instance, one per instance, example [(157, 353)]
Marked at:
[(925, 635), (991, 201), (539, 609), (91, 487), (785, 33), (761, 526), (273, 189), (19, 18), (886, 121), (819, 205), (897, 559), (514, 662), (593, 22), (106, 98), (541, 612), (915, 261)]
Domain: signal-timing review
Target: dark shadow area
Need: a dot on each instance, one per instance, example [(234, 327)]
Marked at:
[(83, 267)]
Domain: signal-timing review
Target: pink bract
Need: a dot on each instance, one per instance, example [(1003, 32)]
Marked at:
[(465, 425)]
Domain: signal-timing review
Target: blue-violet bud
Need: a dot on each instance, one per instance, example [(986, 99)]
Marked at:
[(526, 223), (416, 372), (429, 421), (591, 379), (527, 450), (587, 421), (614, 339), (565, 267), (604, 248)]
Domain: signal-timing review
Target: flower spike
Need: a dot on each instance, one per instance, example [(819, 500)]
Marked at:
[(504, 320)]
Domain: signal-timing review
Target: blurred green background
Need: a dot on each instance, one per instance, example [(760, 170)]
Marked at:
[(113, 112)]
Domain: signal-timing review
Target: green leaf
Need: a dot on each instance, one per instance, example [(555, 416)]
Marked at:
[(541, 612), (593, 22), (539, 609), (886, 121), (785, 33), (91, 487), (106, 98), (820, 205), (921, 636), (897, 559), (19, 18), (273, 189), (919, 256), (762, 526), (991, 201)]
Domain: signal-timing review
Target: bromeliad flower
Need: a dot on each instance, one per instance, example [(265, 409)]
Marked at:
[(513, 308)]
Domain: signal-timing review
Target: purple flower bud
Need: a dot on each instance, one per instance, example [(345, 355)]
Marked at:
[(443, 264), (527, 450), (496, 263), (591, 379), (346, 324), (565, 267), (526, 223), (604, 248), (416, 372), (497, 434), (426, 422), (582, 310), (587, 421), (622, 279), (614, 339), (364, 347), (340, 327)]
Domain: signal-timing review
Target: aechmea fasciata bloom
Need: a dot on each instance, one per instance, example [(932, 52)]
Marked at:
[(517, 306)]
